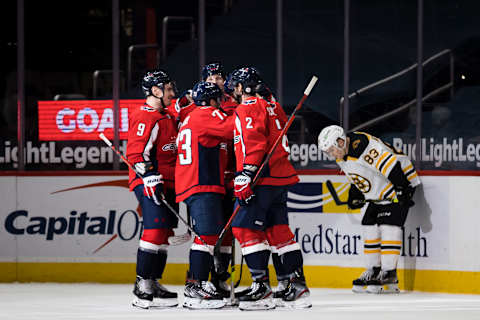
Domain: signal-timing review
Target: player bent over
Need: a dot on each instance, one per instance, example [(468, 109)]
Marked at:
[(199, 182), (261, 224), (379, 172), (151, 148)]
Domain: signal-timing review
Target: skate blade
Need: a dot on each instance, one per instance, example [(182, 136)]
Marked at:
[(302, 302), (262, 304), (196, 303), (390, 288), (164, 303), (141, 303), (386, 288), (229, 302), (359, 289), (279, 303)]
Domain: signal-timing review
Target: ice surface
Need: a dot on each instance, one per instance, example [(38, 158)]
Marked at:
[(104, 301)]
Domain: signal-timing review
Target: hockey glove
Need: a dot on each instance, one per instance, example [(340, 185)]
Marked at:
[(405, 195), (153, 187), (356, 199), (143, 167), (184, 100), (242, 185)]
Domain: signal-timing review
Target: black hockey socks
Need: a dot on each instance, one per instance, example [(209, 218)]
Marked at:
[(145, 263), (257, 263), (291, 261), (200, 264), (159, 262)]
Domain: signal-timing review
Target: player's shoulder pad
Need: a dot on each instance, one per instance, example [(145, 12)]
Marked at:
[(250, 101), (358, 143), (147, 108)]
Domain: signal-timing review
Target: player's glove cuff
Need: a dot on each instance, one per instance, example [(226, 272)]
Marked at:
[(405, 195), (242, 188), (143, 168), (153, 187), (184, 100), (356, 199)]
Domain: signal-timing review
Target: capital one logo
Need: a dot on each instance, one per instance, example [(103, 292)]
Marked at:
[(125, 225)]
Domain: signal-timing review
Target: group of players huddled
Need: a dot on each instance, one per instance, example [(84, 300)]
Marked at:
[(204, 148)]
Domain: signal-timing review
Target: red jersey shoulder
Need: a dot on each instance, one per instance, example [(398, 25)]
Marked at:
[(146, 114)]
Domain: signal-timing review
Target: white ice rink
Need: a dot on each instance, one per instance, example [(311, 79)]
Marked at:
[(101, 301)]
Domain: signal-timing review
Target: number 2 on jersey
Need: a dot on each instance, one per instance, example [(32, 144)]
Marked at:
[(186, 157)]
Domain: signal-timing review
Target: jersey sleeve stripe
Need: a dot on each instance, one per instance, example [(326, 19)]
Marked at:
[(389, 194), (410, 172), (238, 125), (150, 142), (371, 251), (385, 161), (388, 165), (410, 166), (379, 161), (373, 240), (389, 186), (412, 176)]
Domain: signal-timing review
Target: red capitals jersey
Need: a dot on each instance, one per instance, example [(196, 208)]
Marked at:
[(228, 104), (151, 137), (258, 124), (202, 157)]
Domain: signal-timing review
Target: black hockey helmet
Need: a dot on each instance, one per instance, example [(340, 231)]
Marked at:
[(204, 91), (248, 77), (228, 86), (152, 78), (211, 69)]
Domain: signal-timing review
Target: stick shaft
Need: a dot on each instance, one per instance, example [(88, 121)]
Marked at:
[(264, 163), (129, 164)]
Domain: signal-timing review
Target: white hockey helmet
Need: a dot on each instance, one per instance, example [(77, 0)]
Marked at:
[(328, 137)]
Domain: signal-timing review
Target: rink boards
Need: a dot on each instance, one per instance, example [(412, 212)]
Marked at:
[(86, 229)]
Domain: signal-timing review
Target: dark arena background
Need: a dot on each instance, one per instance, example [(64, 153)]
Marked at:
[(407, 72)]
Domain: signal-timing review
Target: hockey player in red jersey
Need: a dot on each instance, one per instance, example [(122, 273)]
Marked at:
[(202, 156), (214, 73), (151, 148), (261, 224)]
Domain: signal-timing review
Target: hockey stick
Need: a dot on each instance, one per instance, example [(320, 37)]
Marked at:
[(339, 202), (177, 240), (216, 250)]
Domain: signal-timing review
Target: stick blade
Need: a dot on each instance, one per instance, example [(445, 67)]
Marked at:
[(179, 240), (334, 194)]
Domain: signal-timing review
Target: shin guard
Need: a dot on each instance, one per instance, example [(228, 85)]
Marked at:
[(391, 246)]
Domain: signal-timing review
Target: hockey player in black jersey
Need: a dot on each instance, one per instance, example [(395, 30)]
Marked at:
[(379, 172)]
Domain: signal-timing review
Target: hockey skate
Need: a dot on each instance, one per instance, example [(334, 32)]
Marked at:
[(258, 297), (297, 294), (360, 285), (202, 295), (162, 298), (279, 292), (145, 290), (385, 282), (222, 287)]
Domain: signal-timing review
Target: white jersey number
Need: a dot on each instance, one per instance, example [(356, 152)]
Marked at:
[(249, 122), (141, 129), (185, 158)]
